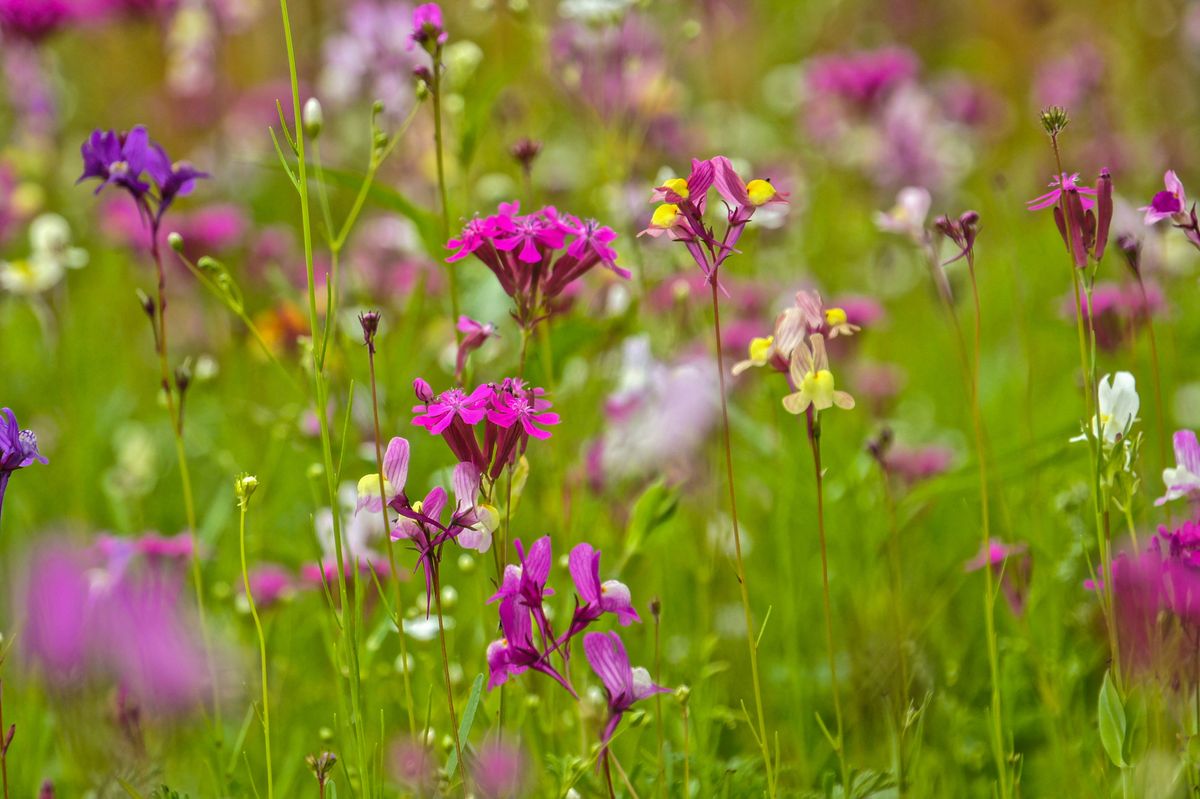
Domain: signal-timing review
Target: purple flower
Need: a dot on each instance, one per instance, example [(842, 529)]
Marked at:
[(516, 652), (427, 26), (475, 335), (624, 684), (1169, 204), (500, 770), (861, 78), (527, 582), (610, 596), (1058, 185), (1013, 565), (18, 449), (119, 159)]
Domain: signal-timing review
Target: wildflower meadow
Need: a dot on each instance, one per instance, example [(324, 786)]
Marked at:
[(599, 398)]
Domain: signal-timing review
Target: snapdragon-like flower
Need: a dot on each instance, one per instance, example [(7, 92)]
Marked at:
[(18, 449), (1184, 479), (535, 257), (684, 202), (624, 684), (134, 163), (808, 315), (491, 426), (907, 217), (516, 652), (610, 596), (1171, 203), (814, 383), (1119, 405)]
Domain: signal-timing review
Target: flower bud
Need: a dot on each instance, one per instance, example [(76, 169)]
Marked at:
[(175, 241), (682, 694), (313, 118), (244, 487), (147, 303), (1104, 211), (1076, 224)]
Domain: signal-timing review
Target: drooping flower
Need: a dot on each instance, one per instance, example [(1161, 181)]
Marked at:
[(1184, 479), (814, 383), (624, 684), (475, 335), (500, 770), (1171, 203)]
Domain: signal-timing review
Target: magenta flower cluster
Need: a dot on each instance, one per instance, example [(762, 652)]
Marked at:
[(536, 256), (490, 426)]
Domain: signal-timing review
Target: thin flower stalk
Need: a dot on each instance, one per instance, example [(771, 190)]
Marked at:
[(245, 486), (347, 614)]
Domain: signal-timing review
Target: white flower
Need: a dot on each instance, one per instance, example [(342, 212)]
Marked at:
[(51, 254), (907, 217), (1119, 405)]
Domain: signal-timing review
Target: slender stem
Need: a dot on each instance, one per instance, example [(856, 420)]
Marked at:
[(989, 588), (662, 771), (437, 597), (3, 745), (4, 475), (896, 568), (687, 759), (608, 776), (262, 644), (391, 547), (189, 505), (752, 645), (814, 442), (1157, 373), (436, 93), (320, 390)]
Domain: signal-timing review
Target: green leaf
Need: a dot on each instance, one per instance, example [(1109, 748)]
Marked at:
[(1136, 733), (1112, 721), (464, 728), (129, 789), (653, 508)]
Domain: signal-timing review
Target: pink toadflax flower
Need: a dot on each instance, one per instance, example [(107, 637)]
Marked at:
[(624, 684), (1184, 479)]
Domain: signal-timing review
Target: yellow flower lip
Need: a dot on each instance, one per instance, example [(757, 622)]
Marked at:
[(677, 185), (760, 192), (665, 216), (835, 317), (760, 348)]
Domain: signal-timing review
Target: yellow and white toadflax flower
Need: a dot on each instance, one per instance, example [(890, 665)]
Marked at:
[(813, 381)]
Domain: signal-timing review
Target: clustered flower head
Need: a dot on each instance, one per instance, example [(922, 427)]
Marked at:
[(684, 201), (488, 427), (522, 595), (1081, 213), (428, 31), (536, 256), (139, 166)]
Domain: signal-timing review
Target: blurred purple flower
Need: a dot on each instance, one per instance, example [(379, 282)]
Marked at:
[(500, 770), (1168, 204)]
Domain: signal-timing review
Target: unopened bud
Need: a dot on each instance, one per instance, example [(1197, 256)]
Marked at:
[(525, 151), (175, 241), (183, 375), (1104, 212), (683, 694), (244, 487), (656, 608), (369, 321), (313, 118)]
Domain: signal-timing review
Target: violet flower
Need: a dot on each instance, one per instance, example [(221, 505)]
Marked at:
[(475, 335), (610, 596), (18, 449), (1168, 204), (515, 653), (526, 583), (624, 684)]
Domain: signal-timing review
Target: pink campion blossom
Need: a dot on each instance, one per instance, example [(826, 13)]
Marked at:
[(414, 766), (1058, 185), (1171, 203), (428, 29), (475, 335), (624, 684), (1184, 479), (861, 78), (1013, 565)]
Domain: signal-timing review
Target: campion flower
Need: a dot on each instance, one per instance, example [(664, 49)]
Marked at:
[(907, 217), (1119, 405), (1184, 479), (861, 78), (536, 257), (475, 335), (1171, 203), (814, 383), (624, 684), (1058, 185), (913, 464), (489, 427), (1013, 565), (427, 29), (18, 449)]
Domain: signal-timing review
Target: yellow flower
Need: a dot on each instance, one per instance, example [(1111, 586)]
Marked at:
[(815, 386), (761, 192), (665, 216), (761, 350), (677, 185)]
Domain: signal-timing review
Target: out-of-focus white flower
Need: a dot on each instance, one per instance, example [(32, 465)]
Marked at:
[(50, 255), (907, 216)]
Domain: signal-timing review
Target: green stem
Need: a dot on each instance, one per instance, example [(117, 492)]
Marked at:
[(436, 92), (814, 441), (437, 597), (262, 643), (320, 390), (752, 645)]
